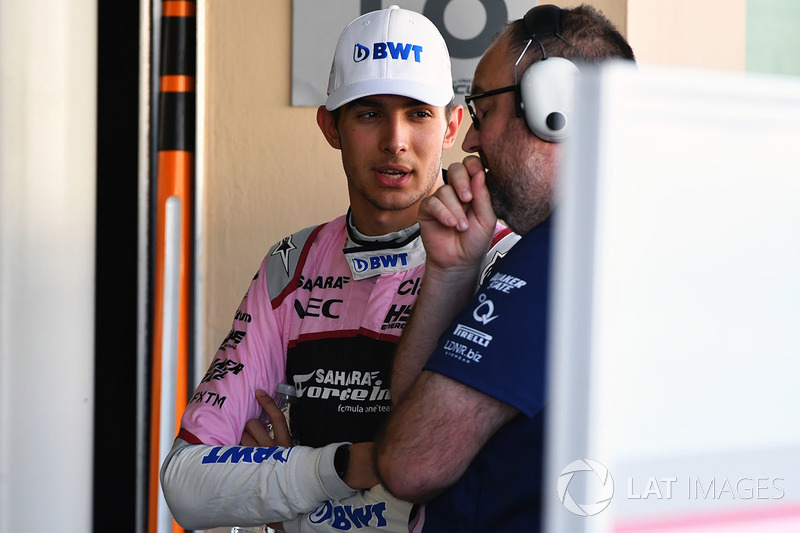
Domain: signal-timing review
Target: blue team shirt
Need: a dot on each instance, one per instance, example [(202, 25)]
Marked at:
[(497, 345)]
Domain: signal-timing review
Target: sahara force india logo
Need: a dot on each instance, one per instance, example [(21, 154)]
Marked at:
[(354, 385)]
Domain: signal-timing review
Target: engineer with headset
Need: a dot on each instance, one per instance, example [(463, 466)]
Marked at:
[(467, 431)]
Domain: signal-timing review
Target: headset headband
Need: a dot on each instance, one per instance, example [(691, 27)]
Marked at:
[(541, 21)]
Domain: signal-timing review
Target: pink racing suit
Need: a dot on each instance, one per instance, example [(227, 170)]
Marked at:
[(324, 313)]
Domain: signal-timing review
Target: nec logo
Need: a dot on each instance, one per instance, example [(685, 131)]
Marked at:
[(378, 261), (384, 50)]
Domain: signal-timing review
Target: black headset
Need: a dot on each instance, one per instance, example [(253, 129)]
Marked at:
[(545, 92)]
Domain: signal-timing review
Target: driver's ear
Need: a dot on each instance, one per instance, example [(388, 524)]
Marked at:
[(327, 124)]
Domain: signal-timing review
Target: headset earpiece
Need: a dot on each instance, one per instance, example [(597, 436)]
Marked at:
[(546, 97), (545, 92)]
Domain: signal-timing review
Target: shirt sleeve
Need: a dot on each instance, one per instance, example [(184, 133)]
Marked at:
[(251, 357), (215, 486), (497, 344), (248, 486)]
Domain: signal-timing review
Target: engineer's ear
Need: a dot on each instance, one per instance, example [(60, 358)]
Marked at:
[(327, 124)]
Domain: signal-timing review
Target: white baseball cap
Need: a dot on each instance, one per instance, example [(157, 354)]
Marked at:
[(390, 51)]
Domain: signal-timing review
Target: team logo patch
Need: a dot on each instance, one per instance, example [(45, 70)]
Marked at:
[(283, 250), (360, 53), (389, 49)]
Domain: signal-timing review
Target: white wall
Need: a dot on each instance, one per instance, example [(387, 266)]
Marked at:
[(47, 199), (675, 307)]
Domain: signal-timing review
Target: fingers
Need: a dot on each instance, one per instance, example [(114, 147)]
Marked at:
[(448, 204), (247, 439), (459, 176), (266, 403), (275, 415), (280, 428), (474, 165), (445, 207), (467, 182), (255, 434), (481, 204), (280, 431)]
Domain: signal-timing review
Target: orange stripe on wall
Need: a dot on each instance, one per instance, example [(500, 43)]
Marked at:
[(175, 169), (177, 83), (176, 8)]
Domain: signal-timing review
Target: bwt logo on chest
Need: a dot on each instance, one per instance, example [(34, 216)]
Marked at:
[(386, 50)]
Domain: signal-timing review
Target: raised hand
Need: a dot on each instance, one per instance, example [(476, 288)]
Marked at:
[(457, 222)]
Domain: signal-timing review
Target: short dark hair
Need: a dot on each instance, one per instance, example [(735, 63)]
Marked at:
[(587, 34)]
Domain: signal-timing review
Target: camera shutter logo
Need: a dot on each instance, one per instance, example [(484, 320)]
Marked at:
[(603, 477)]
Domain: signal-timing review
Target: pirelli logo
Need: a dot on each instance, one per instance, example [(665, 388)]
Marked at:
[(472, 335)]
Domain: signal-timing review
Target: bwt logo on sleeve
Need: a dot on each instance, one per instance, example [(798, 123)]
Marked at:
[(386, 50)]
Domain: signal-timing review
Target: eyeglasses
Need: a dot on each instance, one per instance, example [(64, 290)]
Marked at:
[(468, 100)]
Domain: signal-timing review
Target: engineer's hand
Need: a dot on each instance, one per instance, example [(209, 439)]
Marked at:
[(255, 434), (457, 222)]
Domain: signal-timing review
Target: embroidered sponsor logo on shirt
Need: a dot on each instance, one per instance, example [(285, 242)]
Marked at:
[(208, 397), (396, 317), (354, 386), (367, 262), (316, 307), (484, 312), (462, 352), (410, 286), (219, 369), (233, 339), (346, 517), (246, 454), (472, 335), (320, 282), (505, 283), (377, 262), (243, 317), (490, 265), (283, 250)]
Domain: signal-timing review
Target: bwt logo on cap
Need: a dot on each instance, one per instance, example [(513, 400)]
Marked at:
[(386, 50)]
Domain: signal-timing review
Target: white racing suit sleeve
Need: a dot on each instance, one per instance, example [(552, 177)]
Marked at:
[(220, 486), (368, 510)]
